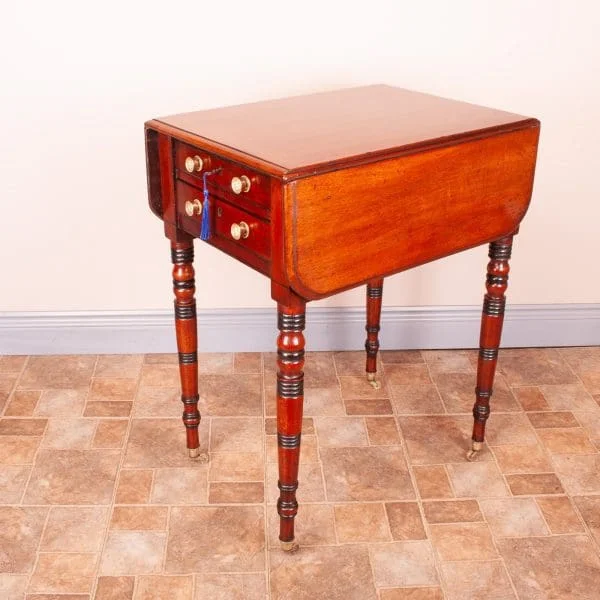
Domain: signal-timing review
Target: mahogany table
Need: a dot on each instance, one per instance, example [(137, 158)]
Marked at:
[(325, 192)]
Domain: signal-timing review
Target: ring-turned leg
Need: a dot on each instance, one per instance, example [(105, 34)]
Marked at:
[(182, 255), (492, 319), (374, 297), (290, 398)]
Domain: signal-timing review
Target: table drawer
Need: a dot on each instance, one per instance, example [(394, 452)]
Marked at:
[(253, 188)]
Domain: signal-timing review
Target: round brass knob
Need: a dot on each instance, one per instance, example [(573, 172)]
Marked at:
[(240, 184), (193, 207), (240, 230), (193, 163)]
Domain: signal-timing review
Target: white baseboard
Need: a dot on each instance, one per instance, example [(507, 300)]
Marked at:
[(254, 330)]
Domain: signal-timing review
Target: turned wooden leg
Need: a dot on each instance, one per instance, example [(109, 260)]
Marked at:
[(290, 398), (492, 319), (182, 255), (374, 297)]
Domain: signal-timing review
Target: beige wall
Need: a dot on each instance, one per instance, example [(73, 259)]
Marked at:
[(80, 79)]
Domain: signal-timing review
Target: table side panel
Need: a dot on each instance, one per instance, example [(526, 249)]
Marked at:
[(343, 228)]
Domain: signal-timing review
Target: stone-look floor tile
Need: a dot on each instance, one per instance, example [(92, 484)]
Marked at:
[(22, 426), (234, 586), (341, 431), (114, 588), (160, 375), (61, 403), (477, 479), (18, 449), (420, 398), (20, 533), (73, 477), (180, 486), (218, 363), (552, 567), (58, 597), (323, 402), (567, 441), (477, 581), (361, 523), (236, 434), (407, 374), (157, 402), (107, 409), (458, 393), (357, 386), (548, 419), (579, 474), (13, 479), (530, 397), (382, 431), (560, 515), (63, 573), (119, 365), (352, 363), (370, 473), (319, 370), (7, 384), (215, 539), (513, 517), (434, 440), (534, 483), (139, 518), (247, 362), (110, 433), (405, 521), (134, 486), (22, 403), (433, 482), (584, 358), (314, 528), (311, 483), (463, 541), (114, 389), (161, 358), (515, 429), (12, 587), (57, 372), (401, 356), (368, 406), (522, 459), (452, 511), (414, 593), (133, 552), (240, 492), (308, 448), (448, 361), (589, 507), (322, 573), (236, 466), (591, 381), (159, 587), (590, 421), (69, 434), (403, 564), (155, 443), (308, 426), (231, 395), (74, 529), (569, 397), (534, 366), (12, 363)]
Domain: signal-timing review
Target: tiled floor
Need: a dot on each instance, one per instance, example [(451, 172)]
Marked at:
[(99, 499)]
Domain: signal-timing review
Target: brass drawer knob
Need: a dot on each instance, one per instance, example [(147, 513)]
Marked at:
[(240, 231), (193, 207), (240, 184), (193, 163)]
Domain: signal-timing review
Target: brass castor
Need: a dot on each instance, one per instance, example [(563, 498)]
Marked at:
[(374, 383), (289, 546), (200, 457), (475, 449)]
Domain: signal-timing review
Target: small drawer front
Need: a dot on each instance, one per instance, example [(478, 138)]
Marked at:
[(234, 181)]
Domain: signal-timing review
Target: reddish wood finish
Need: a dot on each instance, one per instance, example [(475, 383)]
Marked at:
[(374, 299), (290, 398), (491, 330), (182, 256)]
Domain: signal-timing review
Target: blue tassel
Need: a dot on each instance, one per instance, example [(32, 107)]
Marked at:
[(205, 232)]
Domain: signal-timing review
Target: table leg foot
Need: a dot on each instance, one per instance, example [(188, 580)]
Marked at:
[(201, 457), (289, 546), (474, 451), (371, 378), (374, 298)]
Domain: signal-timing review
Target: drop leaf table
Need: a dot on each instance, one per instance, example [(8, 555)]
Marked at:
[(326, 192)]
